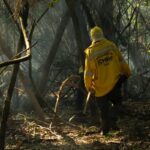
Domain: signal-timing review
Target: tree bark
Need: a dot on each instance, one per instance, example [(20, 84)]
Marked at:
[(6, 109), (83, 17), (29, 90), (52, 52), (25, 81), (90, 20), (71, 6), (106, 17)]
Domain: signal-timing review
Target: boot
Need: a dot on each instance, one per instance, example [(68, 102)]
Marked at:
[(104, 132), (105, 128)]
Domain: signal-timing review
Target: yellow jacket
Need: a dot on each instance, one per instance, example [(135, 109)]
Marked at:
[(104, 65)]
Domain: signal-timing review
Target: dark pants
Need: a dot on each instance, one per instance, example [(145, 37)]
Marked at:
[(109, 106), (80, 94)]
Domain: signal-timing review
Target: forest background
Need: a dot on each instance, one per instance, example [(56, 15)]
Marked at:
[(42, 43)]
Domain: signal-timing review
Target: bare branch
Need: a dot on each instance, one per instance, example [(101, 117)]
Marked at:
[(36, 22), (28, 49), (129, 23), (17, 56), (10, 11)]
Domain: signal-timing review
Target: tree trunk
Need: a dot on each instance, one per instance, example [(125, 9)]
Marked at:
[(106, 17), (6, 109), (82, 15), (29, 90), (52, 52), (71, 6), (90, 20), (34, 90), (25, 82)]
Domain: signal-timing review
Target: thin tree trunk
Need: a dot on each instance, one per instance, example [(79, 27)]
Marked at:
[(9, 54), (82, 15), (106, 17), (90, 20), (6, 109), (71, 6), (34, 90), (34, 87), (25, 81), (29, 90), (52, 52)]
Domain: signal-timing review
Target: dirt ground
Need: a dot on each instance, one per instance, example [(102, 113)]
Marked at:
[(26, 133)]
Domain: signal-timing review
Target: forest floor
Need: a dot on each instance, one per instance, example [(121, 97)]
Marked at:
[(26, 133)]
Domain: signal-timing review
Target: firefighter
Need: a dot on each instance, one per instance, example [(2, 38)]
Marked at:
[(81, 96), (105, 71)]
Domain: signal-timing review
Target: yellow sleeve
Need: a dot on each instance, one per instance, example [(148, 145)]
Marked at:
[(88, 71)]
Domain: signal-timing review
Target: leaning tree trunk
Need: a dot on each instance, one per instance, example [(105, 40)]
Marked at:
[(6, 109), (52, 52), (90, 20), (106, 17), (25, 81), (82, 17), (34, 88), (71, 6), (28, 89)]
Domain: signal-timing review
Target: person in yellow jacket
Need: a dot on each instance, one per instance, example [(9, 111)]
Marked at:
[(81, 96), (105, 70)]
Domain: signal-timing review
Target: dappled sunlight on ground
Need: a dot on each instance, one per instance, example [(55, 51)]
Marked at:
[(31, 134)]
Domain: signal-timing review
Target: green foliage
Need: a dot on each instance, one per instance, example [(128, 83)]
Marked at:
[(52, 3)]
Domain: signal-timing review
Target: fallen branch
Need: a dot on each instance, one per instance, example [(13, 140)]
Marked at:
[(67, 82)]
